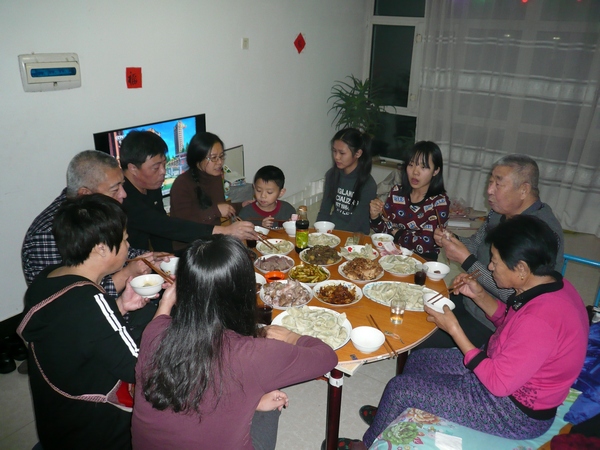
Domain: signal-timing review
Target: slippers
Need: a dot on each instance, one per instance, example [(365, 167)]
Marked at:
[(367, 414), (343, 444)]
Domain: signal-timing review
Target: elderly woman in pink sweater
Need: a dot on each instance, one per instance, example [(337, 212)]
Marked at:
[(513, 386)]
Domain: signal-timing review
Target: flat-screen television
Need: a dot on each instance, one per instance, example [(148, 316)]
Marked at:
[(177, 133)]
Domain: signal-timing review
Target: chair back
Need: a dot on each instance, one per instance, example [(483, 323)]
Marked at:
[(588, 262)]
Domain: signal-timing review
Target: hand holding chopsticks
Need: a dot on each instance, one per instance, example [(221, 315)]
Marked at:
[(472, 276), (260, 237), (387, 344), (158, 270)]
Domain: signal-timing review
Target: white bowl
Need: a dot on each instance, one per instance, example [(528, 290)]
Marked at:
[(290, 227), (324, 226), (262, 230), (436, 270), (170, 268), (367, 339), (438, 305), (379, 238), (147, 285)]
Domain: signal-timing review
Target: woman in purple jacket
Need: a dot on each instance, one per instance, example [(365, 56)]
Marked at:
[(202, 371), (513, 386)]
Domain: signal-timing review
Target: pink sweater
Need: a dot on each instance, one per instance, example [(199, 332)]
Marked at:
[(537, 352)]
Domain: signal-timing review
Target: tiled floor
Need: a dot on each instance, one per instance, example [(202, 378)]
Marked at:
[(302, 425)]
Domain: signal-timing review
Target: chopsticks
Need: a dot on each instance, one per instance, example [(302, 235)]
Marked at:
[(157, 255), (260, 237), (439, 296), (388, 346), (158, 270)]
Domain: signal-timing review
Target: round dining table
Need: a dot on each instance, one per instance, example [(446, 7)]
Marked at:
[(400, 338)]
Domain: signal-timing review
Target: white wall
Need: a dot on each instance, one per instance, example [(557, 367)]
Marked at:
[(268, 98)]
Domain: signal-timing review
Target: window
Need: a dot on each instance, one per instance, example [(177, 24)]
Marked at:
[(393, 64)]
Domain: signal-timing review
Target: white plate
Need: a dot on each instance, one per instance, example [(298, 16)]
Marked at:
[(330, 240), (306, 288), (379, 238), (263, 249), (385, 262), (302, 256), (260, 279), (418, 297), (343, 273), (357, 291), (354, 250), (346, 324), (311, 284), (267, 257)]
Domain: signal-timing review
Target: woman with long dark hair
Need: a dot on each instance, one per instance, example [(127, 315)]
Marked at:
[(198, 194), (349, 186), (202, 372), (418, 205)]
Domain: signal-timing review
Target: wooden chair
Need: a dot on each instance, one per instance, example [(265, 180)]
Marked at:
[(589, 262)]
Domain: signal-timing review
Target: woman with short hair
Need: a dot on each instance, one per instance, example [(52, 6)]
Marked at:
[(80, 349), (513, 386)]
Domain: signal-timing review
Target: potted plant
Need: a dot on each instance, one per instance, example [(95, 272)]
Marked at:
[(357, 104)]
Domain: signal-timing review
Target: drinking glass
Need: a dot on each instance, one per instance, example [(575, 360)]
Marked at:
[(397, 308)]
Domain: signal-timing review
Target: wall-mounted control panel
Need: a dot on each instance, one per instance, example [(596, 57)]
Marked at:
[(49, 71)]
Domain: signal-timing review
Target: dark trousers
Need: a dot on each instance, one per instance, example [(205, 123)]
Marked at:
[(477, 332)]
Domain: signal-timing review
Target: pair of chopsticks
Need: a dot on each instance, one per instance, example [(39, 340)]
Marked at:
[(439, 296), (260, 237), (157, 255), (158, 270), (388, 346)]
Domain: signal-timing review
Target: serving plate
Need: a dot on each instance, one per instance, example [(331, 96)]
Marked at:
[(391, 262), (278, 320), (351, 252), (304, 258), (357, 292), (330, 240), (267, 302), (293, 269), (413, 293), (264, 250), (267, 257), (343, 273)]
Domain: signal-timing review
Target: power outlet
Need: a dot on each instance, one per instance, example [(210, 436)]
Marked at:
[(245, 43)]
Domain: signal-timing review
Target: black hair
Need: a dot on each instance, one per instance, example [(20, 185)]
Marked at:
[(84, 222), (198, 149), (138, 146), (270, 173), (216, 291), (528, 239), (419, 154), (355, 140)]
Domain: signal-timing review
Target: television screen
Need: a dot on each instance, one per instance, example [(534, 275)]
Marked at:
[(177, 133)]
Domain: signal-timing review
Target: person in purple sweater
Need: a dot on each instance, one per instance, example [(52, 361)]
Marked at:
[(512, 386), (203, 371)]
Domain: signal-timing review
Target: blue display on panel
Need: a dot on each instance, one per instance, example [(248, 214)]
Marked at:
[(53, 72)]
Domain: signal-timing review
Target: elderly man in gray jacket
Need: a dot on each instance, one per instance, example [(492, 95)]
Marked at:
[(512, 190)]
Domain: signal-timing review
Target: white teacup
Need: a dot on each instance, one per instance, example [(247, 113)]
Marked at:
[(290, 227)]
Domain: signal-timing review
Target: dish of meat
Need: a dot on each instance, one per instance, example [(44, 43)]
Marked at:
[(338, 293), (320, 255), (269, 263), (285, 294), (361, 270)]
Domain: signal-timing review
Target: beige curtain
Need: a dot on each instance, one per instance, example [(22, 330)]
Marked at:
[(504, 77)]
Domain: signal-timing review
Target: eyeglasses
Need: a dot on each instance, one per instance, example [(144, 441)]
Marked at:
[(215, 158)]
